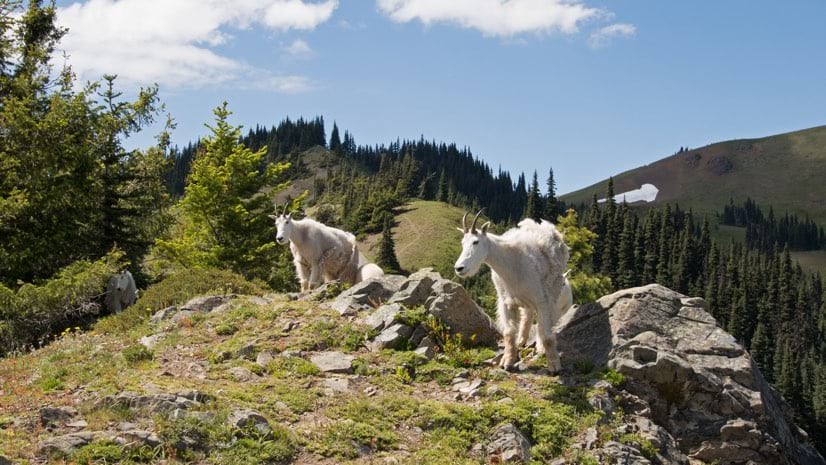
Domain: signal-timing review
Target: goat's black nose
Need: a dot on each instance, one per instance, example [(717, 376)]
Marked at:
[(459, 269)]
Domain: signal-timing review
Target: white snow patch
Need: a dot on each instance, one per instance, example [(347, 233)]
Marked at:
[(646, 193)]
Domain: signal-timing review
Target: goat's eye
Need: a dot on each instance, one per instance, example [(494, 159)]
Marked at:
[(476, 242)]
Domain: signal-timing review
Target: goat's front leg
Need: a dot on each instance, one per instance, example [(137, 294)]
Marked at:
[(315, 275), (525, 326), (507, 314), (303, 271), (546, 339)]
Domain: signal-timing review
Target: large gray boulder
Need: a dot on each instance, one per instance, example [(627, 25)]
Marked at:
[(685, 378), (416, 289), (367, 294), (450, 303)]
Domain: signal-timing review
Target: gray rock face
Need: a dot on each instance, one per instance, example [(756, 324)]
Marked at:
[(392, 337), (242, 375), (685, 378), (56, 415), (333, 362), (249, 419), (151, 341), (416, 289), (367, 294), (163, 314), (4, 460), (141, 437), (451, 304), (509, 445), (66, 444), (207, 303), (383, 316)]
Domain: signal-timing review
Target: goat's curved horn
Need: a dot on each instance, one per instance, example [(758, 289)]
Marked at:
[(286, 206), (475, 219), (464, 222)]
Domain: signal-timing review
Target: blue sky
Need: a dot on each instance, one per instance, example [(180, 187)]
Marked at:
[(589, 88)]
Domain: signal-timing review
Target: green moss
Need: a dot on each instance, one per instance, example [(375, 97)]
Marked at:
[(226, 329), (343, 438), (614, 377), (412, 316)]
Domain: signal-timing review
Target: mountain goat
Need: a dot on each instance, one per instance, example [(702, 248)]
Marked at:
[(322, 252), (121, 292), (527, 265)]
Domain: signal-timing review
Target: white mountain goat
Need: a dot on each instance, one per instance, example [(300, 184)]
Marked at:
[(527, 265), (322, 252), (121, 292)]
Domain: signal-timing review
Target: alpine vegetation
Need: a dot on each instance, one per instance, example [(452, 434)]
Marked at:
[(527, 266), (322, 252)]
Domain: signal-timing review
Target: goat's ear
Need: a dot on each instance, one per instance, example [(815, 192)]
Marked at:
[(460, 230), (275, 217), (485, 227), (290, 216)]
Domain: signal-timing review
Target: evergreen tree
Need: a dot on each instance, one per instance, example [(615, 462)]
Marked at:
[(533, 208), (442, 192), (225, 210), (335, 141), (386, 257), (551, 202)]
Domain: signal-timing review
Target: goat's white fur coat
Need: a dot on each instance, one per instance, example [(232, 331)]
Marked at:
[(323, 252), (527, 266), (121, 292)]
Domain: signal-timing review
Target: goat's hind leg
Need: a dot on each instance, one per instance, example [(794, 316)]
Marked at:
[(525, 324)]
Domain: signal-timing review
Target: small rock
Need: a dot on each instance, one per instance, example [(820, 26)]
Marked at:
[(336, 385), (245, 419), (365, 294), (333, 362), (419, 333), (457, 310), (264, 358), (182, 315), (289, 326), (371, 391), (392, 337), (468, 387), (80, 424), (127, 426), (591, 438), (505, 401), (151, 341), (206, 304), (141, 437), (54, 415), (383, 317), (66, 444), (242, 375), (163, 314), (509, 445), (426, 352), (248, 351)]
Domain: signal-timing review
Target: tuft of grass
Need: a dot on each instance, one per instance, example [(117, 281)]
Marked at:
[(280, 447), (226, 329), (343, 438), (644, 445), (106, 452), (136, 353), (291, 367)]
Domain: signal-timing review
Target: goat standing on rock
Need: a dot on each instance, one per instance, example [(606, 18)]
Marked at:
[(527, 265), (322, 252)]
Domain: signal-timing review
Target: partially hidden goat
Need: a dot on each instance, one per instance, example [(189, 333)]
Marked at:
[(121, 292)]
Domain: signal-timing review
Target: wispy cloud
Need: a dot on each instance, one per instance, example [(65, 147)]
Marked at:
[(604, 36), (173, 42), (500, 18), (298, 49)]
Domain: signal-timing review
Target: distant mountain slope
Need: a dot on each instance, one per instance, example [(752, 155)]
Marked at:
[(785, 171)]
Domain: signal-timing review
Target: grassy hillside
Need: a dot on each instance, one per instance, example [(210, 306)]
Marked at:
[(118, 402), (785, 171), (426, 236)]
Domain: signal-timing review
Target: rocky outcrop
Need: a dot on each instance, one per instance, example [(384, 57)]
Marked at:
[(690, 388), (442, 298)]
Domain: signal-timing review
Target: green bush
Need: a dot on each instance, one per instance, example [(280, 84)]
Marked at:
[(136, 353), (36, 312)]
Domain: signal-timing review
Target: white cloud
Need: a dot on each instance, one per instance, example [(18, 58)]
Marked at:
[(298, 48), (501, 18), (602, 37), (172, 41)]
